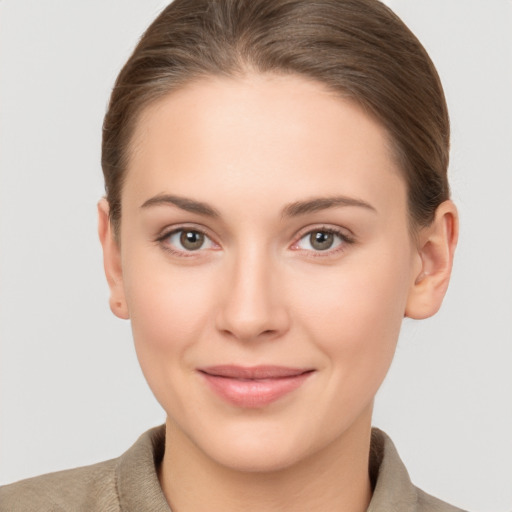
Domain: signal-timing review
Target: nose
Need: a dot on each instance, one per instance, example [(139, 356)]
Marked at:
[(252, 305)]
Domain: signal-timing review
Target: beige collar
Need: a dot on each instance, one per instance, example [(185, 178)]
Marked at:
[(139, 489)]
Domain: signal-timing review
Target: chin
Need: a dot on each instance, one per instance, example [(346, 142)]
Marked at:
[(256, 457), (258, 446)]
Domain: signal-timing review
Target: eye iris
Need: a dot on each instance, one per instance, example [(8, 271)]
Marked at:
[(191, 240), (321, 240)]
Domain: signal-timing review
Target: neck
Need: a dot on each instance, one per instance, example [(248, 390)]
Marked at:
[(334, 479)]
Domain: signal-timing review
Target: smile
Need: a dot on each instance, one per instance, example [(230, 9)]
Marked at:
[(253, 387)]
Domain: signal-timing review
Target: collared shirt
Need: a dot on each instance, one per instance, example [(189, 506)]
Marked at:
[(130, 484)]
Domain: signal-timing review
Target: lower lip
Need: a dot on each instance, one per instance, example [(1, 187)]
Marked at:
[(254, 393)]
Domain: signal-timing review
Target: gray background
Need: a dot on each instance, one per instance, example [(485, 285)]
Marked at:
[(70, 388)]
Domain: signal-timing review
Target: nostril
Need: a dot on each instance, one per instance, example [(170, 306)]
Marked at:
[(250, 331)]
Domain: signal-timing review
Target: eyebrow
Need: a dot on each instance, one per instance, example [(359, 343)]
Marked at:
[(323, 203), (189, 205), (291, 210)]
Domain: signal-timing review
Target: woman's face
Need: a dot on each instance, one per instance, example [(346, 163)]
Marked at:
[(266, 265)]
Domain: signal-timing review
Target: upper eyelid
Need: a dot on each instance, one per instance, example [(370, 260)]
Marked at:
[(169, 230), (337, 230)]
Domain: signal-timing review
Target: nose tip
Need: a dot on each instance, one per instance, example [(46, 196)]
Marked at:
[(252, 307)]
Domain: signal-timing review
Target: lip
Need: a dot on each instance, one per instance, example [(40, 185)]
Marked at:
[(255, 386)]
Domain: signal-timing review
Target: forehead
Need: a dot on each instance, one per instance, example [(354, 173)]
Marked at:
[(257, 133)]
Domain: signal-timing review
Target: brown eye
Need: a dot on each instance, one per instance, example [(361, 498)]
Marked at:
[(191, 240), (321, 240), (185, 241)]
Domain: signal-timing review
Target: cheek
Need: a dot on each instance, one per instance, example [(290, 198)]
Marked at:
[(355, 325), (169, 309), (354, 314), (166, 303)]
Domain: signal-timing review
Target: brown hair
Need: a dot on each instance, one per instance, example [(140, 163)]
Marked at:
[(358, 48)]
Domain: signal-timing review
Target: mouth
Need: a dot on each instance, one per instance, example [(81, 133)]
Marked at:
[(254, 387)]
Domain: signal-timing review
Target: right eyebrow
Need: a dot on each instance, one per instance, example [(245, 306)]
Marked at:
[(189, 205)]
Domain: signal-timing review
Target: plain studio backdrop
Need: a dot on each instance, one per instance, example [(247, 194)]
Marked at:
[(70, 386)]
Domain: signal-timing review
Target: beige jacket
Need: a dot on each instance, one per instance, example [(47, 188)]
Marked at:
[(130, 484)]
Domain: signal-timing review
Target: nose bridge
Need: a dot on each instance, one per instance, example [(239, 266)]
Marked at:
[(252, 305)]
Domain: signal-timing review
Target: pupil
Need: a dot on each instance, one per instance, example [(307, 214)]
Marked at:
[(191, 240), (321, 240)]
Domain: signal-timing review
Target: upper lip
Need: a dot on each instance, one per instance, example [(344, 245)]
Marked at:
[(253, 372)]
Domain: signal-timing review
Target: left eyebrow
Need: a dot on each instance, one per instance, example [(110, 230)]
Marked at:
[(323, 203), (184, 203)]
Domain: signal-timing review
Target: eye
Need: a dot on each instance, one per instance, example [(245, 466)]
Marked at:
[(322, 239), (186, 240)]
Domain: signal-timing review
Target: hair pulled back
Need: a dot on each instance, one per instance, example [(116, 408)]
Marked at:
[(358, 48)]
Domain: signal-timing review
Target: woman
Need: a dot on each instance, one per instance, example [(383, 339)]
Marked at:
[(277, 202)]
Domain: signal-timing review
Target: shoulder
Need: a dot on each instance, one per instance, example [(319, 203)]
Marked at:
[(393, 489), (129, 482), (90, 488), (428, 503)]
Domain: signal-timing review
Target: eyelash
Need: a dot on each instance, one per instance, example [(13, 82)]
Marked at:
[(161, 240), (345, 240)]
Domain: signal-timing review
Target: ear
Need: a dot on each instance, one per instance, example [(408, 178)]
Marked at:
[(436, 247), (112, 262)]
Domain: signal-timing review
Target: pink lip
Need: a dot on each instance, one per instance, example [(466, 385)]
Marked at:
[(255, 386)]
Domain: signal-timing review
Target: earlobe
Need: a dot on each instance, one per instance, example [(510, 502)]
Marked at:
[(436, 248), (112, 262)]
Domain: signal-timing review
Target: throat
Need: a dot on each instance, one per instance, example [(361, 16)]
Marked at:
[(192, 481)]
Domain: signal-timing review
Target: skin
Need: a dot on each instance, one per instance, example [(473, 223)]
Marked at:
[(257, 292)]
